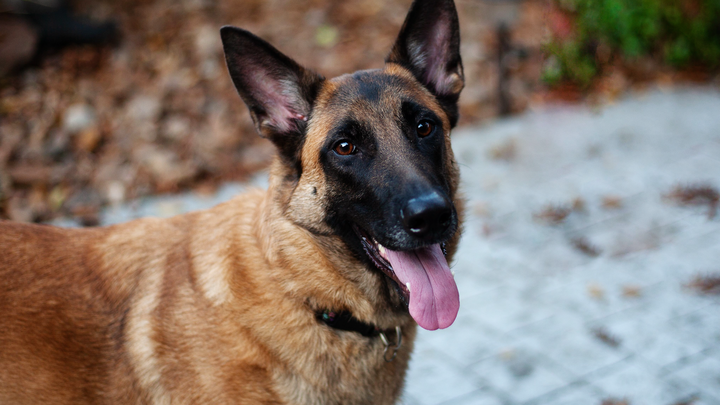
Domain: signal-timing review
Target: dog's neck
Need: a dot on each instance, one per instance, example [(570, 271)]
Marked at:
[(330, 277)]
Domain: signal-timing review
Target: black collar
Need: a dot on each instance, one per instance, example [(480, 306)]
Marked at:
[(344, 320)]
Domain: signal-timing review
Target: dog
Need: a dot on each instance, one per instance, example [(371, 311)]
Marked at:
[(308, 292)]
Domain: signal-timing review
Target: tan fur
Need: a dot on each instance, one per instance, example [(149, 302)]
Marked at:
[(211, 307)]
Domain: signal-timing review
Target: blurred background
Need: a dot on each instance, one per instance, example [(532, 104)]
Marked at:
[(589, 145), (105, 101)]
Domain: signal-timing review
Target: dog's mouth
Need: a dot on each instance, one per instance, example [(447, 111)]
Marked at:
[(423, 279)]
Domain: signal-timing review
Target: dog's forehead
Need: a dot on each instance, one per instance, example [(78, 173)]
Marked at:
[(377, 90), (369, 86)]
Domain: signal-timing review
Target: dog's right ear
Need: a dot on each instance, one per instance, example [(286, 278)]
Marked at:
[(278, 91)]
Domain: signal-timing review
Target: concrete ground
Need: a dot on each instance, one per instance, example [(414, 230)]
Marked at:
[(576, 265)]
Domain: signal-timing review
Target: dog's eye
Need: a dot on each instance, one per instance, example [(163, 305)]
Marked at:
[(425, 128), (344, 148)]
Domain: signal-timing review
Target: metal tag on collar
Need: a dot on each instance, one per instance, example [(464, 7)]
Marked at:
[(396, 346)]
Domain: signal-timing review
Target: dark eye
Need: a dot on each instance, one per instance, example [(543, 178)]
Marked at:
[(344, 148), (425, 128)]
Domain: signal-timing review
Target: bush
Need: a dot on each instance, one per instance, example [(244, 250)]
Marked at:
[(675, 32)]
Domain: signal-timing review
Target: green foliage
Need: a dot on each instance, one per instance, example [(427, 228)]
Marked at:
[(677, 32)]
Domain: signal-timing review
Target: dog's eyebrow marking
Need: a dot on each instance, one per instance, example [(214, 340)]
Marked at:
[(413, 111), (351, 129)]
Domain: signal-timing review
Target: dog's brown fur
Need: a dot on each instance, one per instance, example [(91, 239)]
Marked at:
[(211, 307)]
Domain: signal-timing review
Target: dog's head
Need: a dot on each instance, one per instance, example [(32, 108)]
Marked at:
[(367, 155)]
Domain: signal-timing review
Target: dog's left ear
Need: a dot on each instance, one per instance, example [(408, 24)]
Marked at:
[(278, 91), (429, 46)]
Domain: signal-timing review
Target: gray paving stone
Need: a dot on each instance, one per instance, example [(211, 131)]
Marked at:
[(407, 399), (672, 299), (637, 337), (464, 346), (480, 397), (433, 378), (574, 394), (485, 269), (703, 400), (562, 322), (640, 384), (704, 374), (505, 309), (581, 352), (593, 298), (703, 323), (519, 374)]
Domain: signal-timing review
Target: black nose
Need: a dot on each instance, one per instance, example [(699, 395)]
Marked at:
[(428, 215)]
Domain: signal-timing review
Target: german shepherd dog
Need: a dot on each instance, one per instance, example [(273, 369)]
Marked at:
[(306, 293)]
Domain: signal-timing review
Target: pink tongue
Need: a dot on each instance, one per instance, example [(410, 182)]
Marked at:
[(434, 297)]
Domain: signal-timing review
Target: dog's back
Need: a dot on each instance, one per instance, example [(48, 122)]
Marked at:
[(111, 315), (61, 323)]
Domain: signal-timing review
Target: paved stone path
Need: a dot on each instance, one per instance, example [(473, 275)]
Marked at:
[(574, 266)]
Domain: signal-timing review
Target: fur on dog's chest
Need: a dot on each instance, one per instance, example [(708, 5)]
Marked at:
[(366, 378)]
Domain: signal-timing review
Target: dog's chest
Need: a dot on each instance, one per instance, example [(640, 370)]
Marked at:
[(347, 369)]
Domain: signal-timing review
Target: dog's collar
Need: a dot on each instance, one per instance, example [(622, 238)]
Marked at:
[(345, 321)]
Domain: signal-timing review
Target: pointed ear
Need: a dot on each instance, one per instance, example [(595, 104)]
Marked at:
[(278, 91), (429, 46)]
